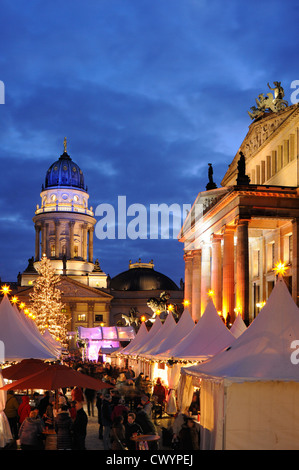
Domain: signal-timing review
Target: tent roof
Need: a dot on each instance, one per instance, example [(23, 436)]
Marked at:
[(137, 341), (264, 350), (163, 333), (152, 332), (18, 340), (182, 329), (207, 338), (238, 327)]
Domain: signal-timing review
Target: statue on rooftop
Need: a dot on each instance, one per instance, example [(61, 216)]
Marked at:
[(269, 103)]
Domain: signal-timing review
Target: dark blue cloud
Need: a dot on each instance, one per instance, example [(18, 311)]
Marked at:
[(147, 92)]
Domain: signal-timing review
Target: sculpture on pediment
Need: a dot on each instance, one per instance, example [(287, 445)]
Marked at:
[(242, 178), (211, 184), (269, 103)]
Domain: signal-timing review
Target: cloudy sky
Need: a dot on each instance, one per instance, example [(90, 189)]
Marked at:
[(148, 92)]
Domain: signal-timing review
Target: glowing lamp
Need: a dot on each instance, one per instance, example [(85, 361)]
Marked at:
[(158, 312), (186, 303), (5, 289), (14, 299), (210, 293), (170, 307), (142, 318), (102, 324), (22, 305), (280, 268)]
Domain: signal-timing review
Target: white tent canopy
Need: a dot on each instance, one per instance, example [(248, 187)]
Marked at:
[(181, 330), (207, 338), (166, 329), (19, 342), (152, 332), (249, 392), (264, 350), (139, 339), (238, 327)]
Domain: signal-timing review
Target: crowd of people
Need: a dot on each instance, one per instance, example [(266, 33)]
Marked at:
[(129, 408)]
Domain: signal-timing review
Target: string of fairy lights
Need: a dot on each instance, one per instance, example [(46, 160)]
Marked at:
[(280, 269)]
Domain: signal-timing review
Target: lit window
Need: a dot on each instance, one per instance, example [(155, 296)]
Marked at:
[(82, 317)]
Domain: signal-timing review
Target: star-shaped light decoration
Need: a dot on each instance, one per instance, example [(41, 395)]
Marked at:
[(280, 268), (14, 299), (186, 303), (5, 289)]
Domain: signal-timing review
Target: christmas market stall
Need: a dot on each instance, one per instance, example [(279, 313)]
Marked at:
[(249, 391), (107, 338)]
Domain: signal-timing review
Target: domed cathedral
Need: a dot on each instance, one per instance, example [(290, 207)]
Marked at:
[(64, 224), (249, 227), (64, 232), (135, 289), (64, 228)]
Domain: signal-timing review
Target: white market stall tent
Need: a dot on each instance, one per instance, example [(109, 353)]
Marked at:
[(157, 340), (238, 327), (250, 391), (208, 337), (20, 342), (139, 339), (17, 342), (181, 330), (104, 338)]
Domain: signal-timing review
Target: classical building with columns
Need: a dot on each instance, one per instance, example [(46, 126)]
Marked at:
[(234, 235), (64, 232)]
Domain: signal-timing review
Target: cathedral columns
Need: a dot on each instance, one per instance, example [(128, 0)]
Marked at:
[(84, 245), (242, 268), (205, 275), (37, 241), (71, 225), (196, 284), (216, 272), (90, 245), (188, 280), (57, 234), (228, 299)]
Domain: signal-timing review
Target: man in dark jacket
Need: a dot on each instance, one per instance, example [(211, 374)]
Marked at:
[(63, 428), (79, 427), (132, 428), (106, 420)]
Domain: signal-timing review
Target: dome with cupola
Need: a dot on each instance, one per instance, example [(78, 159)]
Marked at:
[(64, 173)]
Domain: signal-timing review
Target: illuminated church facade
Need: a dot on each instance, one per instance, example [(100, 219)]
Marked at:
[(236, 234), (64, 231)]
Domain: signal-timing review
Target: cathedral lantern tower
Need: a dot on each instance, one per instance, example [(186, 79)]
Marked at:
[(64, 224)]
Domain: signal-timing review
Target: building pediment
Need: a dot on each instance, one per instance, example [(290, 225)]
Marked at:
[(260, 132), (71, 288)]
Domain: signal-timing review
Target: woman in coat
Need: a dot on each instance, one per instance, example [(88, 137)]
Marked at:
[(63, 428), (31, 432), (24, 409)]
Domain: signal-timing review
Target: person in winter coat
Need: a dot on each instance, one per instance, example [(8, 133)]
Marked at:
[(24, 409), (79, 427), (30, 433), (160, 391), (132, 428), (120, 410), (11, 411), (90, 396), (118, 434), (106, 412), (188, 435), (63, 428)]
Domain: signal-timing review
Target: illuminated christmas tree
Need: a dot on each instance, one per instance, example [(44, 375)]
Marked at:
[(45, 302)]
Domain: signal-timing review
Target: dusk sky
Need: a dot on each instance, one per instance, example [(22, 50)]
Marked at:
[(147, 94)]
